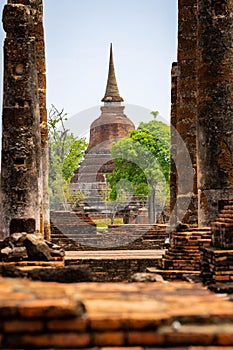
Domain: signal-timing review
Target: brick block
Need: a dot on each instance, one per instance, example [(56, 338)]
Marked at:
[(189, 338), (100, 323), (51, 308), (123, 348), (78, 324), (109, 338), (224, 339), (22, 326), (59, 340), (145, 338)]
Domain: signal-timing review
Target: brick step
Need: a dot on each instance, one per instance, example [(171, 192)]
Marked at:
[(185, 266), (77, 234), (176, 252), (73, 222), (226, 208), (196, 229), (176, 258), (223, 268), (75, 227), (187, 238), (224, 220), (68, 233), (185, 246), (226, 213), (219, 225), (190, 234)]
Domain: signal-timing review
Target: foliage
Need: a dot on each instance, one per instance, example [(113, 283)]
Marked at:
[(65, 154), (143, 159)]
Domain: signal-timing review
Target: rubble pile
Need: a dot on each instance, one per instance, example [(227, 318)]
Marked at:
[(29, 246)]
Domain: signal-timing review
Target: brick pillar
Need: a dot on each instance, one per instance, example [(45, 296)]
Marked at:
[(215, 106), (173, 172), (21, 138), (186, 109), (36, 7)]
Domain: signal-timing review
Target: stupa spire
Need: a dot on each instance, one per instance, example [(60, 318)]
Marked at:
[(112, 92)]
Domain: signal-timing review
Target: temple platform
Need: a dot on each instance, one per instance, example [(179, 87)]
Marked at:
[(114, 265)]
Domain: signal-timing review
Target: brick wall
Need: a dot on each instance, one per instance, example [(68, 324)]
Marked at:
[(114, 270)]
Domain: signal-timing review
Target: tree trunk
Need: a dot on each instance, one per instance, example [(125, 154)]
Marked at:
[(151, 200)]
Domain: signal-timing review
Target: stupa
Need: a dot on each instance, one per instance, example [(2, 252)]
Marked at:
[(111, 126)]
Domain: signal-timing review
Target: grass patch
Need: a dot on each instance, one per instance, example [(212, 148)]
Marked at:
[(103, 223)]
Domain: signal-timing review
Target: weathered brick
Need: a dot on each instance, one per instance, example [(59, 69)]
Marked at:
[(22, 326), (62, 340), (100, 323), (224, 339), (77, 324), (108, 338), (51, 308), (145, 338), (188, 338), (123, 348)]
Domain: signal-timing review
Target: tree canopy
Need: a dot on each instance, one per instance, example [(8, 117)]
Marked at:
[(143, 159), (65, 154)]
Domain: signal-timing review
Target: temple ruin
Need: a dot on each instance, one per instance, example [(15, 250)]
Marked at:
[(200, 115), (137, 316)]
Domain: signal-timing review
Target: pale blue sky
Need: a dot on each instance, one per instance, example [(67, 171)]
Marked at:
[(78, 34)]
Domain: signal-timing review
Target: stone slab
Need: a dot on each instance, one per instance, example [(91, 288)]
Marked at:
[(115, 254)]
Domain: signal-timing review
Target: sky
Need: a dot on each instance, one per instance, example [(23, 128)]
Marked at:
[(78, 34)]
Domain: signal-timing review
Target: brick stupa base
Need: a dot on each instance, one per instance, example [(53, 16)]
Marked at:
[(217, 260), (184, 254)]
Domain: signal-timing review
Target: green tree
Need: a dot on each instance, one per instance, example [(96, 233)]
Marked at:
[(143, 159), (65, 154)]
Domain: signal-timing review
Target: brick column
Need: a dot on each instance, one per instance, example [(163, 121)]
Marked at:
[(186, 106), (215, 107), (21, 138), (37, 31), (37, 7), (173, 172)]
